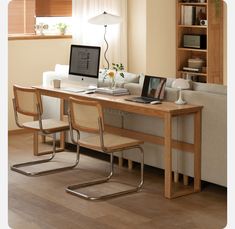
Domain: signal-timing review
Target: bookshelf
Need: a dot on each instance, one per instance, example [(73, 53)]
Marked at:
[(188, 17)]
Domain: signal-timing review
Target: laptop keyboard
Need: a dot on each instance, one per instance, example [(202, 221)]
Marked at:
[(142, 99)]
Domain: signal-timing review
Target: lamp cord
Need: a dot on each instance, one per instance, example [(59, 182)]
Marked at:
[(107, 46)]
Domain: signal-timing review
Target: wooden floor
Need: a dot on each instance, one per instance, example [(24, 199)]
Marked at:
[(41, 202)]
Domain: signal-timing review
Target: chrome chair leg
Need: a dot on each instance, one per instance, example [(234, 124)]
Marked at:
[(16, 167), (73, 189)]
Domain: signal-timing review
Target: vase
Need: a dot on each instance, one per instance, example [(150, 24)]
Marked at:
[(112, 83)]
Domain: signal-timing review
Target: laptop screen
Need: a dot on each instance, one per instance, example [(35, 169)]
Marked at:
[(154, 87)]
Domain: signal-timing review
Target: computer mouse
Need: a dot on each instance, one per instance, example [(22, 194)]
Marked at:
[(89, 92), (155, 102)]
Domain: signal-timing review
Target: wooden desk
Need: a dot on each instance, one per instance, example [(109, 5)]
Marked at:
[(166, 111)]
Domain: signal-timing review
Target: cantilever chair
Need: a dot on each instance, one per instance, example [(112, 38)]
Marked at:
[(87, 116), (27, 101)]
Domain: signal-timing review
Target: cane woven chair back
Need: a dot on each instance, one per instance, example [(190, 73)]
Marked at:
[(27, 101)]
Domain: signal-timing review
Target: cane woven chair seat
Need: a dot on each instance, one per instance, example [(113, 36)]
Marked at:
[(49, 125), (112, 142)]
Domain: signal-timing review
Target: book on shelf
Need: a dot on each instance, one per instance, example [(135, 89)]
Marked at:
[(188, 15), (191, 69), (112, 91)]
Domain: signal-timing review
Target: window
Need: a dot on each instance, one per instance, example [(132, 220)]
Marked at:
[(24, 14)]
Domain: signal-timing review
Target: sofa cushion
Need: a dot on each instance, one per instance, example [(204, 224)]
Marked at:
[(61, 70), (211, 88)]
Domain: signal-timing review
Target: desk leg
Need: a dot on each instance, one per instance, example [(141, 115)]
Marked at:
[(62, 134), (197, 152), (35, 143), (168, 155)]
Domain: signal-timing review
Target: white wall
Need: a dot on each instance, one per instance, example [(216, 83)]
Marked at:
[(137, 36), (161, 32), (151, 36), (28, 59)]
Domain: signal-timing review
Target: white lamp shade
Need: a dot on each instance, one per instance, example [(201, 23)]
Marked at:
[(105, 19), (181, 84)]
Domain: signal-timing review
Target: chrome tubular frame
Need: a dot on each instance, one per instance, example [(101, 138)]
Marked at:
[(74, 189), (16, 167)]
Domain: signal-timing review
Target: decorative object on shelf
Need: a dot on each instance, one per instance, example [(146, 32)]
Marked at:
[(197, 63), (105, 19), (180, 84), (62, 27), (40, 28), (217, 7), (194, 41)]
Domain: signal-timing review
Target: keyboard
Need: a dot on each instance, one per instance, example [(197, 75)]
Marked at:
[(73, 89), (142, 99)]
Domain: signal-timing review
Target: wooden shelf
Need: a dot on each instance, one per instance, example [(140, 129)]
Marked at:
[(193, 26), (193, 73), (192, 4), (212, 56), (193, 50)]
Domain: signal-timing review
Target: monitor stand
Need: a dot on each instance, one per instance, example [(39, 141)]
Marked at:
[(84, 81)]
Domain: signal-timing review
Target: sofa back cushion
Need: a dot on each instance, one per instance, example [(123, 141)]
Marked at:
[(210, 88)]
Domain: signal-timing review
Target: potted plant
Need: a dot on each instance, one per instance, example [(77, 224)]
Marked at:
[(62, 28)]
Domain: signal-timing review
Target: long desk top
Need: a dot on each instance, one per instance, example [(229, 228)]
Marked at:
[(165, 110), (119, 102)]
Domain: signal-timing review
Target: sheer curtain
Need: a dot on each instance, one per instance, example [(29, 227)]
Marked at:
[(88, 34)]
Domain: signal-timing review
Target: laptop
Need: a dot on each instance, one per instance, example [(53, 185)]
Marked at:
[(153, 90)]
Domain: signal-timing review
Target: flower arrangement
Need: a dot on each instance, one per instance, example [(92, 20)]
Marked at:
[(111, 75), (117, 68)]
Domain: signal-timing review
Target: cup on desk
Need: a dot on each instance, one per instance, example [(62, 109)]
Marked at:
[(56, 83)]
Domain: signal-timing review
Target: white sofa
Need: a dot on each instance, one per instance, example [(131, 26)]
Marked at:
[(213, 98), (214, 128)]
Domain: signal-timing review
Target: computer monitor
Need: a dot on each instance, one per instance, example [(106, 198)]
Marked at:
[(84, 64)]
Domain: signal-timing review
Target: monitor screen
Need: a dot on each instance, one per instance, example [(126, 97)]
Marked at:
[(84, 61)]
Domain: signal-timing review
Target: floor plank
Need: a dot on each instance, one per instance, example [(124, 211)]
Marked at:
[(41, 202)]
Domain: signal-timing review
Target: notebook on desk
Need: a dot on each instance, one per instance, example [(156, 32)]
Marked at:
[(153, 90)]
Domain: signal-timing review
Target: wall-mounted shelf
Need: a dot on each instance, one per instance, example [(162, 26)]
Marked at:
[(192, 26), (192, 4), (213, 54), (192, 50)]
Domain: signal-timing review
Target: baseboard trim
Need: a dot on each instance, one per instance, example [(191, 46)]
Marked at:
[(19, 131)]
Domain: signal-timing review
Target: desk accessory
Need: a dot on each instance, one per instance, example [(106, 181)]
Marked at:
[(56, 83), (181, 84), (115, 91), (155, 102)]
